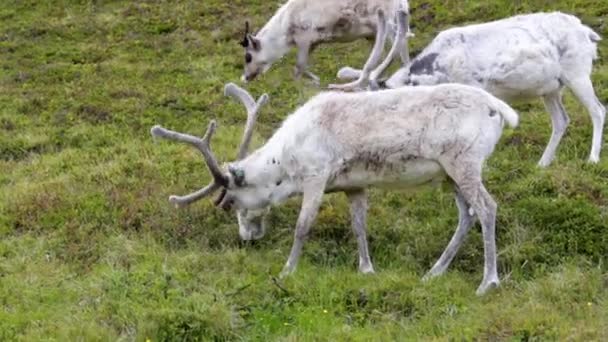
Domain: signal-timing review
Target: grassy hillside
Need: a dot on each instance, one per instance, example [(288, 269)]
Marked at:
[(90, 248)]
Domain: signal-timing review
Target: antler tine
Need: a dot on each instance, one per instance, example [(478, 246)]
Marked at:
[(248, 132), (182, 201), (399, 44), (373, 59), (240, 94), (252, 107), (201, 144)]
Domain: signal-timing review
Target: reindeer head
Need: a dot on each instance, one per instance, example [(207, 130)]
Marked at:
[(231, 180), (256, 60)]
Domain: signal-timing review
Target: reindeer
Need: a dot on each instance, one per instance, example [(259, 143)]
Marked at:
[(307, 23), (345, 142), (517, 58)]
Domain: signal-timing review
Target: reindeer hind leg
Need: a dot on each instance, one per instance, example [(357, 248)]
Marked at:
[(465, 222), (583, 89), (467, 176)]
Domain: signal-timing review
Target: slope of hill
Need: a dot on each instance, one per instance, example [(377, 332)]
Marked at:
[(90, 248)]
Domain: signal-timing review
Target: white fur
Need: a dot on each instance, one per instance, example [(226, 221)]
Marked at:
[(404, 138), (303, 147), (517, 58), (307, 23)]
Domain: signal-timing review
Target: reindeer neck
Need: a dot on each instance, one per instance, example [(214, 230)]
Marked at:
[(264, 163), (275, 34)]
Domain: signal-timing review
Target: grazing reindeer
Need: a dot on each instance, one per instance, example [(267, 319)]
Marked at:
[(348, 142), (517, 58), (307, 23)]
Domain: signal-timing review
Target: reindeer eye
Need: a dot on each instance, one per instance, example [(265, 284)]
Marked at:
[(247, 57)]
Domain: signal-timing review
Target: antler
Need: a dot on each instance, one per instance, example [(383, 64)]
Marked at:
[(399, 44), (373, 59), (252, 108), (182, 201), (203, 145)]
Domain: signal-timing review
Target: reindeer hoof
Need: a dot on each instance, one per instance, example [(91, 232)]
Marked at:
[(543, 163), (285, 272), (486, 286), (367, 269), (430, 275)]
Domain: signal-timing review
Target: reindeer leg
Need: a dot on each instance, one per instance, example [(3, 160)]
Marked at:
[(560, 120), (582, 88), (399, 46), (372, 61), (302, 63), (484, 205), (466, 174), (358, 217), (312, 197), (465, 222)]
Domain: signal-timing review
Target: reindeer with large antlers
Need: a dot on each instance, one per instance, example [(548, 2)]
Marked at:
[(349, 142), (307, 23), (517, 58)]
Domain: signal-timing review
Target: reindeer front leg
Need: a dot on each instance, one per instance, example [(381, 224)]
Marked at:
[(358, 217), (302, 63), (313, 194)]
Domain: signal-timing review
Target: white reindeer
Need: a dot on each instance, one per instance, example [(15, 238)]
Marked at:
[(307, 23), (348, 142), (517, 58)]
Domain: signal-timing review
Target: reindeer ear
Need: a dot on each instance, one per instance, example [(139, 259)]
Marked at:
[(238, 175), (254, 43), (245, 42)]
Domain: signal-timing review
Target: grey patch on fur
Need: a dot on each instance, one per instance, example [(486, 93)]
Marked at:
[(424, 65), (342, 26)]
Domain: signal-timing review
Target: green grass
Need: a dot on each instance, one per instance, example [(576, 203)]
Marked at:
[(90, 248)]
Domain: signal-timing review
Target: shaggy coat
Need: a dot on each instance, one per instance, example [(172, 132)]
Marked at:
[(518, 58), (401, 138), (307, 23)]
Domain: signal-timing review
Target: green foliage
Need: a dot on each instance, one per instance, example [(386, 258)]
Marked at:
[(90, 248)]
